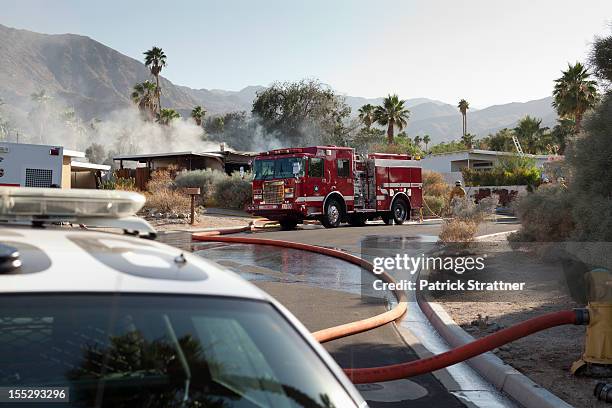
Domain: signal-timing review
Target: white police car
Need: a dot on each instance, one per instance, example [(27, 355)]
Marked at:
[(119, 321)]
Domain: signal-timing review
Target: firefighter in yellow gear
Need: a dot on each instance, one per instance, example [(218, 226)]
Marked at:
[(457, 192)]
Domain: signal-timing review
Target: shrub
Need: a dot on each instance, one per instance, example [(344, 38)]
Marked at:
[(234, 191), (545, 215), (206, 180), (435, 185), (466, 210), (162, 194), (458, 230), (434, 206), (509, 171), (435, 193), (119, 183)]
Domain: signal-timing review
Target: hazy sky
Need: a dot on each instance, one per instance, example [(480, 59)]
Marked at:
[(485, 51)]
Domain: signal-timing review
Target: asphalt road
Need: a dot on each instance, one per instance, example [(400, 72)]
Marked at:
[(319, 291)]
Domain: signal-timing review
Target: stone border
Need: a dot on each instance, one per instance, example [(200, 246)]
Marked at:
[(503, 376)]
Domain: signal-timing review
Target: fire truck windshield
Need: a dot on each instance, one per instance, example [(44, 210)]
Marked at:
[(286, 167)]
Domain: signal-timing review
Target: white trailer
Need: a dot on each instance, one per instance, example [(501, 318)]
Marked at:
[(29, 165)]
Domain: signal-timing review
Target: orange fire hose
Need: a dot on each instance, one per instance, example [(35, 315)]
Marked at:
[(417, 367), (469, 350), (335, 332)]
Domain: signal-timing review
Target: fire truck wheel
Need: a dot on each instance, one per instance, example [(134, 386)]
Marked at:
[(399, 210), (357, 220), (333, 214), (387, 219), (287, 225)]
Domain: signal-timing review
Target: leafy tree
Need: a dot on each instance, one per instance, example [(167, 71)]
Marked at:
[(155, 60), (600, 58), (197, 114), (392, 113), (426, 140), (417, 140), (574, 93), (144, 95), (167, 115), (500, 141), (590, 185), (530, 133), (215, 125), (95, 153), (302, 112), (366, 114), (463, 108), (447, 147), (235, 129)]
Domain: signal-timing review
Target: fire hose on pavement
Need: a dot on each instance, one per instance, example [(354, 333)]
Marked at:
[(425, 365)]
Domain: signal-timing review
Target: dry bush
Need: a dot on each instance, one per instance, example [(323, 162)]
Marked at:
[(458, 231), (435, 185), (434, 205), (435, 194), (162, 194)]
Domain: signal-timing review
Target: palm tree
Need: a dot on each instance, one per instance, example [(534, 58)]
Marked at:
[(417, 140), (40, 112), (145, 96), (574, 93), (426, 140), (391, 113), (529, 133), (463, 107), (167, 115), (468, 140), (155, 60), (198, 114), (366, 114)]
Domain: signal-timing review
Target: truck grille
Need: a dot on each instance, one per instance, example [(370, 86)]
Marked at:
[(274, 192)]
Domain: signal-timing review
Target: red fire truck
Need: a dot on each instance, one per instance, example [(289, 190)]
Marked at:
[(335, 185)]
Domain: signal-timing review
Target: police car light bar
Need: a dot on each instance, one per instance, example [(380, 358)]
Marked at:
[(24, 203)]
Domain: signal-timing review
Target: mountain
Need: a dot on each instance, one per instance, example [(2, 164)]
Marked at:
[(484, 121), (95, 80)]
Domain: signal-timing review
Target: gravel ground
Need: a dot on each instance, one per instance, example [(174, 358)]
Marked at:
[(545, 357), (202, 221)]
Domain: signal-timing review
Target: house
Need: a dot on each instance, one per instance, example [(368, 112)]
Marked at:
[(33, 165), (140, 166), (450, 164)]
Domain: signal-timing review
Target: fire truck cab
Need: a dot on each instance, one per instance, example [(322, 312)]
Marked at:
[(334, 185)]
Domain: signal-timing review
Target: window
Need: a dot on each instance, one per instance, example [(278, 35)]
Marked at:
[(38, 178), (143, 348), (343, 168), (278, 168), (315, 167)]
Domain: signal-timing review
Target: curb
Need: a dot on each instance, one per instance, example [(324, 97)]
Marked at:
[(503, 376)]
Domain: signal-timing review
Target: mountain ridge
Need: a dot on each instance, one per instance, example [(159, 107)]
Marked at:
[(95, 80)]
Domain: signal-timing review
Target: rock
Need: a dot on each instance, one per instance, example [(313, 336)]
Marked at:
[(181, 215), (173, 216)]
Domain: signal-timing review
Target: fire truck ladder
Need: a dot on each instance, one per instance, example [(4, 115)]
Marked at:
[(518, 146)]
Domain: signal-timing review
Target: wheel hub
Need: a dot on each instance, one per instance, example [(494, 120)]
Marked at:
[(333, 214)]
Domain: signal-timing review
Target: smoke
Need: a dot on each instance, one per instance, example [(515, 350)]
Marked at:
[(47, 120), (126, 132)]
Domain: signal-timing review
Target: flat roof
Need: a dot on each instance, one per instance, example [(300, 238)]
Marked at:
[(490, 153), (74, 164), (167, 154)]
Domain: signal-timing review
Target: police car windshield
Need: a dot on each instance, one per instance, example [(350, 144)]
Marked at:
[(281, 168), (160, 351)]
